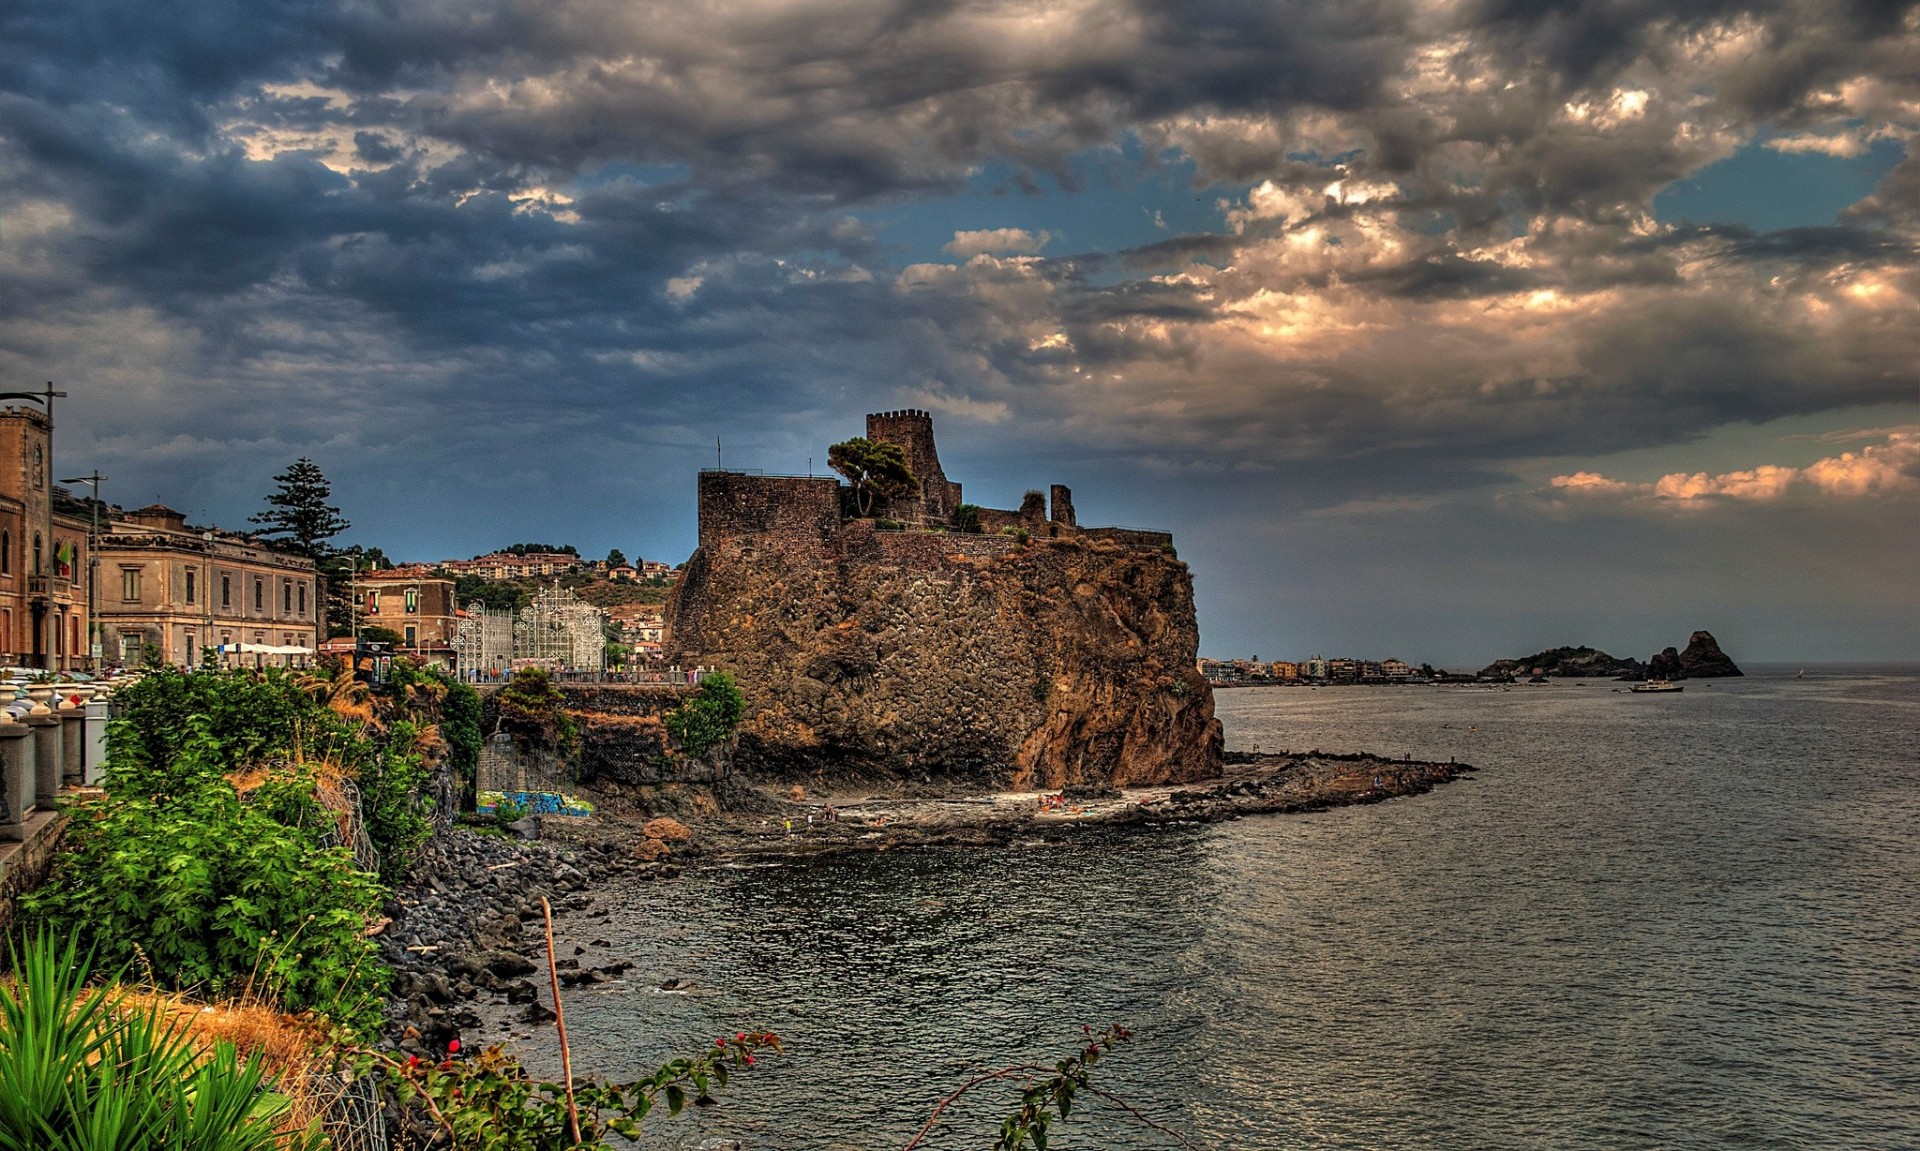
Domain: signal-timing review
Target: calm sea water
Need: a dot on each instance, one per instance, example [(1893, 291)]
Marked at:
[(1686, 921)]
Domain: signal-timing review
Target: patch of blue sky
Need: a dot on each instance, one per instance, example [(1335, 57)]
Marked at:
[(1107, 200), (1767, 190)]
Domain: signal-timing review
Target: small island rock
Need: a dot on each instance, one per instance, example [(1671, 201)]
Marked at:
[(1703, 659)]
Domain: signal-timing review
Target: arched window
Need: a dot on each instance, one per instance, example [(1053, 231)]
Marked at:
[(36, 553)]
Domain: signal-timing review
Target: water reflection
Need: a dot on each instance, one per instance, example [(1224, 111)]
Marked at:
[(1690, 924)]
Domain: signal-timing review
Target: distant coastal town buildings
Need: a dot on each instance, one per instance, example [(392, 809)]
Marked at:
[(1313, 669)]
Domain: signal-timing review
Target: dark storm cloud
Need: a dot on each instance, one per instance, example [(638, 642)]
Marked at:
[(445, 227)]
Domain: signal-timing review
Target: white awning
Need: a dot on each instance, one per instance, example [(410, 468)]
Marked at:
[(262, 649)]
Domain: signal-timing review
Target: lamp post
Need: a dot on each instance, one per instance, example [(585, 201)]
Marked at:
[(93, 479)]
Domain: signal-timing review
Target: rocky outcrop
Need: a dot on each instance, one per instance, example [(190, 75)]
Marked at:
[(1566, 663), (1703, 659), (1047, 663)]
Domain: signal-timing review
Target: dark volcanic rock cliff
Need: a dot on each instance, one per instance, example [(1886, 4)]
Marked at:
[(1045, 663), (1703, 659)]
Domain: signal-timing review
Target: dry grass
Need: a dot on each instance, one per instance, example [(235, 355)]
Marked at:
[(295, 1049)]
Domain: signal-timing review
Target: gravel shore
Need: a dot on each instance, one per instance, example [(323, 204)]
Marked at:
[(466, 930)]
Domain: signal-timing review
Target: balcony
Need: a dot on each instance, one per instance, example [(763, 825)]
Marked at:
[(41, 588)]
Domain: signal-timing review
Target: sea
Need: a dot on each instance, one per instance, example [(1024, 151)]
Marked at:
[(1647, 921)]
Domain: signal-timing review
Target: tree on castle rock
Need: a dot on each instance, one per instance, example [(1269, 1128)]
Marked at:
[(298, 513), (875, 469)]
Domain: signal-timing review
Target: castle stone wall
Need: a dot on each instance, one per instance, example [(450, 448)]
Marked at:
[(1061, 498), (734, 504), (1130, 537)]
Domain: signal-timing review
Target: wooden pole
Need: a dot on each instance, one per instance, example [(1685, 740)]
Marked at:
[(560, 1023)]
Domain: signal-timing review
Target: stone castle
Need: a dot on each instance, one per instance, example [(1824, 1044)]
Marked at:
[(739, 504), (1010, 645)]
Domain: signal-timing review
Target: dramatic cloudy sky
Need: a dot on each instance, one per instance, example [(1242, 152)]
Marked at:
[(1441, 330)]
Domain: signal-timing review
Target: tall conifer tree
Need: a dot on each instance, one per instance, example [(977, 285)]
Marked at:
[(298, 512)]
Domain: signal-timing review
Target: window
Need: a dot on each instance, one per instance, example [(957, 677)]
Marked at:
[(303, 599), (190, 591), (373, 603), (286, 596), (189, 648), (409, 635), (132, 647), (74, 644), (6, 553), (130, 585), (259, 594), (413, 600), (36, 553), (226, 591)]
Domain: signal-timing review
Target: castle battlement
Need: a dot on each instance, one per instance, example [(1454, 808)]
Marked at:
[(809, 511)]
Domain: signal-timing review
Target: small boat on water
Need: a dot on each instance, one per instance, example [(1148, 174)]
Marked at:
[(1655, 685)]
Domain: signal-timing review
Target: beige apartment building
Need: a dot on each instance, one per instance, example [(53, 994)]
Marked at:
[(169, 591), (415, 604), (43, 552)]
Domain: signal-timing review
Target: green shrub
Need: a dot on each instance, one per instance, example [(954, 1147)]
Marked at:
[(81, 1070), (966, 518), (214, 891), (533, 710), (886, 525), (708, 718)]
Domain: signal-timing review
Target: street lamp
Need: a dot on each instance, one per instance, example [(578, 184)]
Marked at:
[(93, 480)]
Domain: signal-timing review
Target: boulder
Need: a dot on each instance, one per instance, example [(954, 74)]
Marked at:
[(665, 828)]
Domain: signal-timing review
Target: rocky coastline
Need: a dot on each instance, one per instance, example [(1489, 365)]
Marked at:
[(465, 934)]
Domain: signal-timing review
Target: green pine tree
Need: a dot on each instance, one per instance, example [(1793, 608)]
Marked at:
[(298, 512)]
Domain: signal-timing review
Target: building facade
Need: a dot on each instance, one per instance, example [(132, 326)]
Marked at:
[(508, 565), (167, 593), (414, 604), (43, 552)]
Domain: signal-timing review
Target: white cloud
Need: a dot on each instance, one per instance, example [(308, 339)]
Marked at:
[(992, 241), (1878, 468)]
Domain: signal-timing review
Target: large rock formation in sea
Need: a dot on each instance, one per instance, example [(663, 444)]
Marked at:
[(1703, 659), (1043, 654), (1567, 662)]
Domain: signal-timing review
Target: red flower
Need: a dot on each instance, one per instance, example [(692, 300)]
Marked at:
[(453, 1047), (720, 1043), (413, 1061), (749, 1060)]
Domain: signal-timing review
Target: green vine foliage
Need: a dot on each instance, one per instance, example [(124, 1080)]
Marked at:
[(490, 1103), (710, 717)]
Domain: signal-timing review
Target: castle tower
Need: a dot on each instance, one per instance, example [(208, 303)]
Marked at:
[(912, 430)]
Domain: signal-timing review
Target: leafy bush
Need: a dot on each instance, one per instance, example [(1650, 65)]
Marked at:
[(82, 1070), (1020, 535), (708, 718), (534, 711), (215, 891), (966, 518), (460, 720)]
